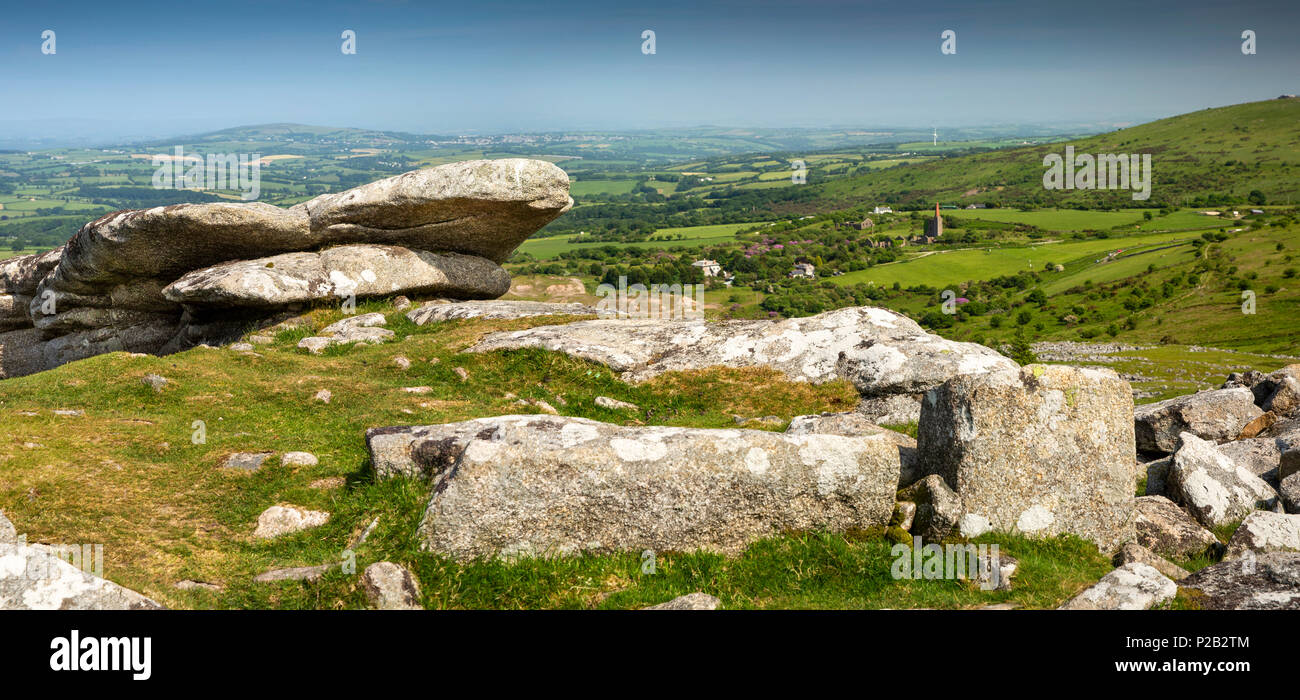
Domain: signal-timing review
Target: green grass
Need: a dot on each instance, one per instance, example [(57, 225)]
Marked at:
[(128, 475), (1057, 219), (580, 188), (1229, 150), (954, 266), (692, 237)]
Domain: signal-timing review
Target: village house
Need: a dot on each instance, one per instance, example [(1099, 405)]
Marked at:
[(710, 268), (882, 210), (861, 225), (803, 270)]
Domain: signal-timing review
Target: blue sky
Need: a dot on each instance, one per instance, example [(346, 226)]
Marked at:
[(492, 66)]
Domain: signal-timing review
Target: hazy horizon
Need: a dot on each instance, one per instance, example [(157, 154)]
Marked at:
[(501, 67)]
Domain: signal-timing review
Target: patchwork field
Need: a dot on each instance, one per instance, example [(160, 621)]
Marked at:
[(951, 266)]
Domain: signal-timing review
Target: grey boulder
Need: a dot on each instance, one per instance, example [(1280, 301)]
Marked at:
[(1269, 581), (880, 351), (938, 510), (22, 352), (166, 242), (1215, 489), (447, 310), (543, 485), (37, 577), (361, 270), (690, 601), (852, 424), (1133, 586), (1216, 415), (1260, 456), (1043, 450), (1263, 531), (1134, 552), (1165, 529), (21, 275), (479, 207), (391, 587)]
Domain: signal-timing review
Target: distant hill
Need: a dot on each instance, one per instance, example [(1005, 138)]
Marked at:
[(301, 133), (1213, 155)]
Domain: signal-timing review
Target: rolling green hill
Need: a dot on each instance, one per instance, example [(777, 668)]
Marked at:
[(1227, 151)]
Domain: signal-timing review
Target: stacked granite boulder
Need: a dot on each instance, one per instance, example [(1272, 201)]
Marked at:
[(164, 279)]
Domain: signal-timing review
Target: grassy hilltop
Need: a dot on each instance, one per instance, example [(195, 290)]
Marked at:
[(1221, 151), (126, 473), (117, 465)]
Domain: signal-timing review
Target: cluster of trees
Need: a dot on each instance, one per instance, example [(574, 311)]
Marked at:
[(806, 297), (41, 233)]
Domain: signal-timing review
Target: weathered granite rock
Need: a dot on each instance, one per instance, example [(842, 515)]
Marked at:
[(8, 533), (1217, 415), (904, 515), (21, 275), (36, 577), (295, 573), (362, 270), (1257, 426), (1248, 379), (1133, 552), (1263, 531), (851, 424), (166, 242), (1258, 455), (892, 409), (1279, 392), (545, 485), (372, 320), (615, 404), (364, 329), (1157, 476), (1133, 586), (690, 601), (13, 312), (880, 351), (848, 423), (299, 459), (447, 310), (144, 338), (155, 382), (391, 587), (281, 520), (134, 302), (104, 290), (938, 509), (1215, 489), (478, 207), (1288, 446), (1042, 450), (1269, 581), (22, 352), (1289, 491), (247, 461), (1165, 529), (994, 573)]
